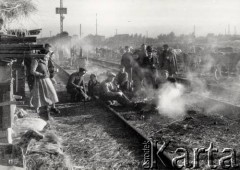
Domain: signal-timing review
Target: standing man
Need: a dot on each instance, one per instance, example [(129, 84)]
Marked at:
[(127, 60), (142, 54), (76, 86), (149, 64), (168, 60)]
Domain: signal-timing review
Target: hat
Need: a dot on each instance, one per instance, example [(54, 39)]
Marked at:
[(165, 45), (92, 75), (149, 49), (110, 74), (81, 70), (127, 47), (47, 45)]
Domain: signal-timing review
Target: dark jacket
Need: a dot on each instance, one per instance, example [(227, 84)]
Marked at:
[(93, 88), (121, 78), (127, 60), (150, 63), (75, 81), (168, 61)]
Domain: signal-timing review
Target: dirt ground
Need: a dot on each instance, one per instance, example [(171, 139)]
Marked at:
[(88, 137), (196, 129)]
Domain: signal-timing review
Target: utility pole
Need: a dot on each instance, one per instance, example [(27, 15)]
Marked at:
[(96, 25), (194, 30), (61, 11), (80, 31), (61, 17), (228, 29)]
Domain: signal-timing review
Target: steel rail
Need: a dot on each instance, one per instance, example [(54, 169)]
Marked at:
[(164, 161)]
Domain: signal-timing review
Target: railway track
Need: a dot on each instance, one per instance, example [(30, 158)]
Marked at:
[(211, 117), (163, 161), (207, 115)]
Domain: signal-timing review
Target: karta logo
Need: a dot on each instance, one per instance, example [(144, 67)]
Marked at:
[(214, 160)]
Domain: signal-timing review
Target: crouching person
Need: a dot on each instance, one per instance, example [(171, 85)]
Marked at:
[(122, 79), (93, 86), (76, 87), (109, 92)]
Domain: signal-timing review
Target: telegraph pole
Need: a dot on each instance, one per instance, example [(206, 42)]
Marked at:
[(229, 29), (96, 24), (80, 31), (194, 30), (61, 11), (61, 17)]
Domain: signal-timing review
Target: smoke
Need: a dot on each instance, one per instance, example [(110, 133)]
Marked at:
[(171, 102)]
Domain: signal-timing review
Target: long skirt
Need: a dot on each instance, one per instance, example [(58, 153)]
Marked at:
[(43, 93)]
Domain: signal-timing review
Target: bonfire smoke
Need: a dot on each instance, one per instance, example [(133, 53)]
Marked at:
[(170, 100)]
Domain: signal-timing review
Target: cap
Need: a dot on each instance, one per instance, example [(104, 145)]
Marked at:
[(92, 75), (149, 49), (47, 45), (165, 45), (81, 70)]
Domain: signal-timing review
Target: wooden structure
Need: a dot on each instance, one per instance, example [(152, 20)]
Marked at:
[(15, 52)]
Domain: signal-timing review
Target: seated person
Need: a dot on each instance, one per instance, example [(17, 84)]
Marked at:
[(93, 86), (122, 79), (109, 93), (76, 86)]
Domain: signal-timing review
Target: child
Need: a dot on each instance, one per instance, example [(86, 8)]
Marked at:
[(93, 86)]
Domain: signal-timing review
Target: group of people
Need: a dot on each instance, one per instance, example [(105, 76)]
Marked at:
[(146, 66), (136, 68), (110, 90)]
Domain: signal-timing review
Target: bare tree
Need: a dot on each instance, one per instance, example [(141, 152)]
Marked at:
[(11, 10)]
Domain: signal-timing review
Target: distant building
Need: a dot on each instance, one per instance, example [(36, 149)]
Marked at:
[(95, 39)]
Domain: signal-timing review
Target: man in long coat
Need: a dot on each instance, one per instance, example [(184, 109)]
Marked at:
[(168, 61)]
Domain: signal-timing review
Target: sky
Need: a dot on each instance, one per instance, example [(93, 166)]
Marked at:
[(152, 17)]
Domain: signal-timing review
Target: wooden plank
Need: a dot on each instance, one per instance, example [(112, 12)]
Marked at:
[(14, 40), (14, 52), (2, 56), (21, 46), (11, 102)]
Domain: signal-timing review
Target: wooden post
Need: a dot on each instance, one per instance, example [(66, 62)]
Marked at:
[(6, 111)]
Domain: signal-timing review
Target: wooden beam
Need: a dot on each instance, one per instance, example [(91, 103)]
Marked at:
[(14, 40), (11, 102), (26, 47), (14, 52), (19, 56)]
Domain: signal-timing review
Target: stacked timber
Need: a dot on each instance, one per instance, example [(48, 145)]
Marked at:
[(14, 53)]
